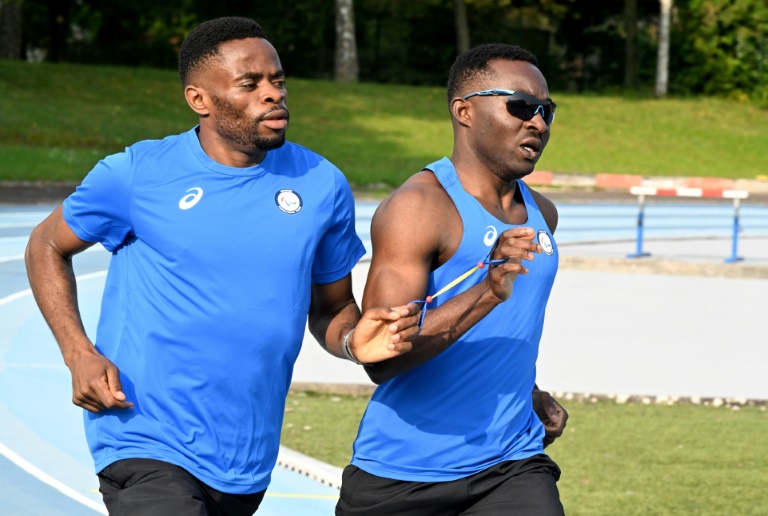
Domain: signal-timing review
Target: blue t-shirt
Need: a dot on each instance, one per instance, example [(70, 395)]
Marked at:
[(469, 407), (207, 296)]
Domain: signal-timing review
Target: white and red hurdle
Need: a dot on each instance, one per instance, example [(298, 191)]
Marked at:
[(643, 191)]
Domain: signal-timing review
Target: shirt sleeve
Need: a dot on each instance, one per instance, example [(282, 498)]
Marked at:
[(99, 209), (340, 247)]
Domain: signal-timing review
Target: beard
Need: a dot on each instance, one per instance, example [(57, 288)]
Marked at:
[(243, 132)]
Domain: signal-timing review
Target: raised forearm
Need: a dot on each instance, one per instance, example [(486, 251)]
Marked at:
[(443, 326), (329, 328)]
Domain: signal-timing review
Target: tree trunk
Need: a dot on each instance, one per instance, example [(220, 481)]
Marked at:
[(662, 63), (10, 29), (630, 47), (462, 26), (346, 69)]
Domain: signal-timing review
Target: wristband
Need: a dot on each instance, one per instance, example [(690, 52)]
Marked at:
[(345, 348)]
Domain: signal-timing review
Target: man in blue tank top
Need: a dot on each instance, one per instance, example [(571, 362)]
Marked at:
[(457, 424), (224, 239)]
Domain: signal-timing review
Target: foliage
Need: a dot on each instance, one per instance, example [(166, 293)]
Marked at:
[(718, 46), (721, 47)]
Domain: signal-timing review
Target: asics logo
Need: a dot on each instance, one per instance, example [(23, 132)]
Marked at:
[(191, 199), (490, 236)]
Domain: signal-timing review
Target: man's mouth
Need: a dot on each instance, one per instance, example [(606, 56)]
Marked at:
[(275, 120), (531, 147)]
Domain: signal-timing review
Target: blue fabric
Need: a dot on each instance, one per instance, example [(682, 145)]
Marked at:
[(206, 299), (470, 407)]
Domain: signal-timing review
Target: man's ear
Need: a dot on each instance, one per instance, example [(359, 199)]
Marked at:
[(461, 111), (198, 99)]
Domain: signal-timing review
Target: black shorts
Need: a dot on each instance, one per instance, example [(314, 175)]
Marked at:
[(155, 488), (519, 487)]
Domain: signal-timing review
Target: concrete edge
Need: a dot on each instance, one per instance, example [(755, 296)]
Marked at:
[(364, 389), (304, 465), (660, 266)]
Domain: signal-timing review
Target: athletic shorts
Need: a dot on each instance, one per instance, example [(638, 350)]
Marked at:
[(150, 487), (525, 487)]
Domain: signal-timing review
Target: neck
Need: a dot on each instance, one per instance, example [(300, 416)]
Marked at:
[(222, 151), (493, 189)]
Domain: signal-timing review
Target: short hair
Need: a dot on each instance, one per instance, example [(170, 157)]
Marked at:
[(204, 41), (474, 63)]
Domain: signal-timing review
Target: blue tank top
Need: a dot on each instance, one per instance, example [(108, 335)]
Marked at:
[(469, 407)]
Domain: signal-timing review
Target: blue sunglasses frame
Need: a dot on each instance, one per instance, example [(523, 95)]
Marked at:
[(521, 105)]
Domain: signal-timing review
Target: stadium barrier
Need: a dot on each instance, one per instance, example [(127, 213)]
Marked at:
[(643, 191)]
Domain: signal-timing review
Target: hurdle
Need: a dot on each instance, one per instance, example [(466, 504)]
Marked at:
[(643, 191)]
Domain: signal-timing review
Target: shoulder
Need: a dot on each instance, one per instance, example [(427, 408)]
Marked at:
[(422, 193), (301, 154), (302, 160), (411, 214), (546, 207), (155, 151), (158, 145)]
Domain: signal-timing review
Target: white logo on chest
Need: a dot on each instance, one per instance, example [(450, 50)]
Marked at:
[(490, 236), (546, 243), (288, 201), (191, 199)]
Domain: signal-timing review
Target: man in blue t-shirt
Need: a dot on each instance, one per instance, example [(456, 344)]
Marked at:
[(223, 239), (457, 424)]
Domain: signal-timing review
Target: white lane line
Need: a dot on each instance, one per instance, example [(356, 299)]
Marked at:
[(25, 214), (26, 365), (27, 292), (11, 258), (14, 225), (46, 478), (16, 257), (24, 464)]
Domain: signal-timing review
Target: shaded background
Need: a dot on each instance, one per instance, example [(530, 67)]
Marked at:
[(716, 46)]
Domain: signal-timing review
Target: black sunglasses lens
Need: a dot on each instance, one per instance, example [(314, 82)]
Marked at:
[(524, 111), (519, 109)]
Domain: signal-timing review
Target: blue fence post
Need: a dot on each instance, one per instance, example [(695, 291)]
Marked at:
[(640, 219), (735, 244)]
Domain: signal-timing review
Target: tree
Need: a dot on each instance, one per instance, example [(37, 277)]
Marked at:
[(462, 26), (662, 63), (630, 48), (10, 29), (346, 69)]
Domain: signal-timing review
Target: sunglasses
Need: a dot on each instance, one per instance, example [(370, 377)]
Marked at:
[(521, 105)]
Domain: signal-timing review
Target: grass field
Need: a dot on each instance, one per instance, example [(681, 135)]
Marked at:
[(617, 459), (56, 121)]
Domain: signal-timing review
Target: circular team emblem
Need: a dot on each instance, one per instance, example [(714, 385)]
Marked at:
[(288, 201), (546, 242)]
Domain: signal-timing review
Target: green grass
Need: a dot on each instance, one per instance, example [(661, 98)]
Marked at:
[(56, 121), (627, 459)]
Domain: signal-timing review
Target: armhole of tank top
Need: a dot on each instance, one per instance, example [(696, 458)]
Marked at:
[(454, 184)]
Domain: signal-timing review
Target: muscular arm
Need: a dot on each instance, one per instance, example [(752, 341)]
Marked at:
[(410, 232), (48, 257)]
